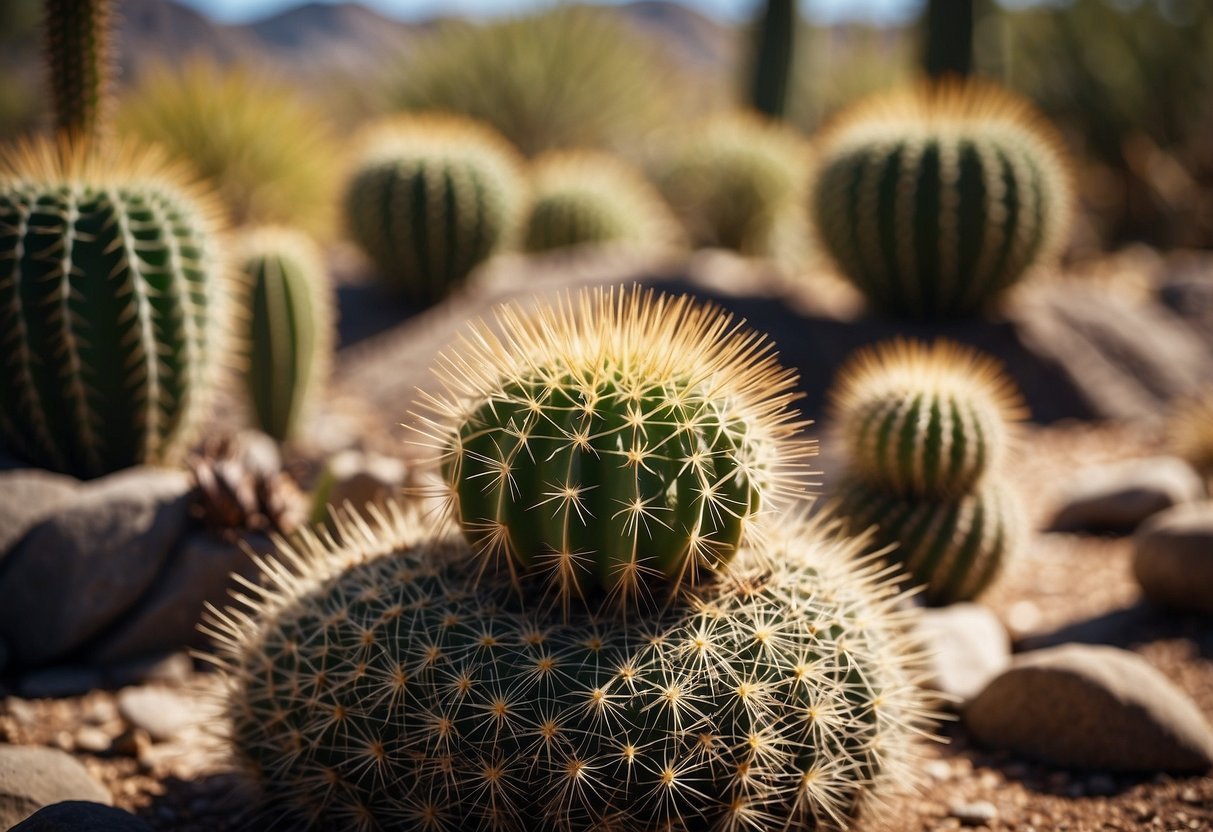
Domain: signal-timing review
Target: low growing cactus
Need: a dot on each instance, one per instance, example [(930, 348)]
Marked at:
[(391, 695), (290, 326), (432, 197), (114, 307), (589, 197), (935, 200), (613, 437)]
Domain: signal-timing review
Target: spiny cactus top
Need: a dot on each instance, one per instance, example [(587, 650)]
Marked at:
[(615, 436), (589, 197), (924, 420), (290, 326), (114, 307), (390, 695), (430, 198), (934, 200)]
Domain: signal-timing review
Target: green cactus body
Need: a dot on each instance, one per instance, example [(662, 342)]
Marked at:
[(393, 695), (586, 197), (774, 56), (79, 56), (620, 437), (113, 308), (934, 202), (430, 199), (290, 326)]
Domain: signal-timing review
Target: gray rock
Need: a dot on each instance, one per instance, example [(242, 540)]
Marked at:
[(1173, 558), (27, 497), (81, 816), (166, 618), (159, 711), (1119, 496), (358, 479), (968, 646), (1087, 707), (59, 681), (86, 564), (32, 777)]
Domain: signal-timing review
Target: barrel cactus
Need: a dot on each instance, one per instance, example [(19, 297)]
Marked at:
[(615, 437), (927, 429), (113, 306), (590, 197), (290, 326), (430, 198), (935, 200), (378, 688)]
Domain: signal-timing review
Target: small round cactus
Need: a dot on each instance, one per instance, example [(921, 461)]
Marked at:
[(933, 201), (290, 326), (614, 437), (432, 197), (924, 420), (114, 307), (372, 687), (589, 197)]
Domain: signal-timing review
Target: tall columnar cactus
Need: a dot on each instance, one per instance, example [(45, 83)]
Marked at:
[(392, 695), (935, 200), (614, 438), (927, 430), (774, 56), (947, 47), (580, 197), (113, 307), (430, 198), (79, 56), (290, 330)]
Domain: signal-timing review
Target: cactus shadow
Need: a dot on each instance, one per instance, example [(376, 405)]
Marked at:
[(225, 801), (1135, 624), (365, 310)]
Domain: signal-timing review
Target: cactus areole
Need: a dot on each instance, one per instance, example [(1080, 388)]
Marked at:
[(615, 436)]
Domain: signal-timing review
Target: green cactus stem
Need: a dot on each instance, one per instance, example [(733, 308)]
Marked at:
[(391, 694), (80, 60), (774, 57), (935, 200), (948, 38), (614, 437)]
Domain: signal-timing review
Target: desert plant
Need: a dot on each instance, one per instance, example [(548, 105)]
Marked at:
[(733, 179), (590, 197), (1191, 433), (924, 421), (774, 56), (948, 37), (614, 437), (430, 198), (290, 326), (266, 150), (391, 694), (934, 200), (79, 55)]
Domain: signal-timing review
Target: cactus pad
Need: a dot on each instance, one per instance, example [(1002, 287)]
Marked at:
[(935, 200)]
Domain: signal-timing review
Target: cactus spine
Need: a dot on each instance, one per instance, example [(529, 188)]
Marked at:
[(615, 438), (935, 200), (389, 694), (79, 56), (587, 197), (431, 197), (290, 327), (927, 431), (774, 57)]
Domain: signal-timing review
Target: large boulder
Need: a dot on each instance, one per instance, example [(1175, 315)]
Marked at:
[(32, 777), (1173, 558), (968, 646), (1119, 496), (27, 497)]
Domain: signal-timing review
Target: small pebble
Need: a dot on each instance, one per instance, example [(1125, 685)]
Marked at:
[(979, 813), (937, 770), (92, 740)]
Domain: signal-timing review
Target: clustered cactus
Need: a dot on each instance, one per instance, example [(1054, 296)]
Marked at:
[(927, 429), (290, 326), (933, 201), (430, 198), (583, 197), (391, 694), (615, 438)]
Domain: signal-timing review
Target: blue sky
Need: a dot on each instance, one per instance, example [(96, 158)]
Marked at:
[(825, 10)]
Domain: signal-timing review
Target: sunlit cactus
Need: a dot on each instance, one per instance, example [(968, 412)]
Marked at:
[(614, 437), (290, 326), (372, 687), (588, 197), (431, 197), (734, 179), (935, 200), (924, 420), (114, 308)]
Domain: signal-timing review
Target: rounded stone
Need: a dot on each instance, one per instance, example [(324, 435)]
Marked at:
[(1173, 558)]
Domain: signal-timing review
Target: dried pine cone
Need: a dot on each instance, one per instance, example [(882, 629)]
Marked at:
[(240, 487)]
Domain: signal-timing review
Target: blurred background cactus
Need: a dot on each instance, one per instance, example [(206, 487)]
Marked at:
[(430, 198), (936, 199), (79, 54), (773, 56), (948, 38), (266, 149), (926, 430), (580, 197), (290, 326), (1190, 433)]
